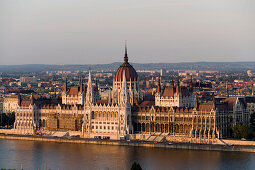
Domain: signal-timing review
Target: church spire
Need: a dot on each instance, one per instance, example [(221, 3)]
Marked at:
[(126, 55)]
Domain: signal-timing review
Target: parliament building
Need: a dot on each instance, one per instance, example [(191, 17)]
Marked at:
[(176, 114)]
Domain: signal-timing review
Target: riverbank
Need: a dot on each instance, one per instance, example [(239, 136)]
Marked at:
[(189, 146)]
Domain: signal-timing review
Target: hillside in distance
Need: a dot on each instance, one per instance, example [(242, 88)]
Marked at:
[(221, 66)]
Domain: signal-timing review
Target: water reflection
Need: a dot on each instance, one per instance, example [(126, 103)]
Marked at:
[(41, 155)]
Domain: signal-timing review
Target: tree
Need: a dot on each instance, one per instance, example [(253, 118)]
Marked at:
[(242, 131), (7, 119), (136, 166)]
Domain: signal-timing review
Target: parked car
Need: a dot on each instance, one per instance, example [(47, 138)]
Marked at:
[(97, 137), (106, 137)]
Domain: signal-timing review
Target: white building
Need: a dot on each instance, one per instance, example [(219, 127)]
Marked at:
[(175, 96), (73, 95), (131, 80)]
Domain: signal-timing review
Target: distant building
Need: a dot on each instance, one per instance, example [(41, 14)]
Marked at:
[(162, 72), (27, 79), (249, 73), (10, 103)]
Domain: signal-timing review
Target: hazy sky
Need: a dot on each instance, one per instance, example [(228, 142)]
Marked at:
[(94, 31)]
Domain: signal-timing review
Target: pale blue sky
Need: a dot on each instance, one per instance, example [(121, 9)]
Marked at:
[(93, 31)]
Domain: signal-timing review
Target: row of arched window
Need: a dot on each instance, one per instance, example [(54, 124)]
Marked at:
[(105, 115)]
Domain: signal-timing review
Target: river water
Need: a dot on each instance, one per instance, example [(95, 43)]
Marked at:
[(42, 155)]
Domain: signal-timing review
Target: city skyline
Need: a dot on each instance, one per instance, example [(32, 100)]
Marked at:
[(87, 32)]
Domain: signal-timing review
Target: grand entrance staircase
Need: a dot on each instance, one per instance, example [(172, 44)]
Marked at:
[(157, 137)]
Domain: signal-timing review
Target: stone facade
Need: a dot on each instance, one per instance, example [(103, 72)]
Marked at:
[(175, 95), (176, 112)]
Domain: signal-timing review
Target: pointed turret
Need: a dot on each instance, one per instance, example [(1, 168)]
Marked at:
[(89, 94), (252, 90), (196, 102), (81, 84), (96, 84), (124, 93), (172, 83), (178, 85), (32, 100), (159, 86), (126, 54), (65, 85), (227, 88), (191, 84), (124, 82), (19, 99)]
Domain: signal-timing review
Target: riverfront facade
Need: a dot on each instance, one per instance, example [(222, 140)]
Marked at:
[(176, 113)]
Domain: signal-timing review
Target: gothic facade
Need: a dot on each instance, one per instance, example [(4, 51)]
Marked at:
[(175, 114)]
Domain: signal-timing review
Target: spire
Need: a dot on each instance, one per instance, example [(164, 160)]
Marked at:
[(32, 99), (126, 55), (89, 95), (124, 94), (96, 84), (196, 102), (178, 85), (65, 85), (81, 84), (19, 99), (172, 81), (214, 103), (159, 86), (227, 88), (191, 84), (252, 90), (124, 82)]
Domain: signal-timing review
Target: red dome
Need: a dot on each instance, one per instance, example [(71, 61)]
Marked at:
[(130, 72)]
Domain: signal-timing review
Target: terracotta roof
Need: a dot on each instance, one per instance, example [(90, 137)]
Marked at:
[(25, 102), (149, 98), (147, 103), (206, 107), (150, 91), (231, 102), (74, 91), (169, 92), (36, 96), (102, 102)]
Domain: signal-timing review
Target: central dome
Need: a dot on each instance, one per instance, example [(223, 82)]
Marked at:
[(130, 72)]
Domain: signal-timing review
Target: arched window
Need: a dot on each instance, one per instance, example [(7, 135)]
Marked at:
[(108, 115), (92, 115), (116, 115), (112, 115), (104, 115), (43, 123), (57, 123)]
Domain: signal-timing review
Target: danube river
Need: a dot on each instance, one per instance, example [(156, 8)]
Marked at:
[(15, 154)]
